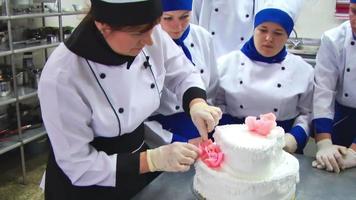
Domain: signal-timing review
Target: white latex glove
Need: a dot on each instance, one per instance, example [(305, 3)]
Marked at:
[(349, 159), (290, 143), (175, 157), (205, 118), (328, 155)]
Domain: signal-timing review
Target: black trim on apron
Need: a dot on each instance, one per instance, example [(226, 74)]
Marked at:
[(128, 180)]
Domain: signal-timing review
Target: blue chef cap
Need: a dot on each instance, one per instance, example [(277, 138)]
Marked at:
[(171, 5), (277, 16)]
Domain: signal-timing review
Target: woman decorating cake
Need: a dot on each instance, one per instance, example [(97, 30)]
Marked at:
[(263, 77), (91, 91), (170, 121)]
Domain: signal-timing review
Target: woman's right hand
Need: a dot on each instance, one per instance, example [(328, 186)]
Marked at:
[(176, 157), (204, 117)]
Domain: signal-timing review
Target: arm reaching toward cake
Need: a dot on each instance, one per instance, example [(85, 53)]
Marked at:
[(290, 143), (204, 117), (176, 157)]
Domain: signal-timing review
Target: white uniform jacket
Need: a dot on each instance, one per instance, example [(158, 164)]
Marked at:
[(250, 88), (335, 76), (200, 45), (229, 21), (82, 99)]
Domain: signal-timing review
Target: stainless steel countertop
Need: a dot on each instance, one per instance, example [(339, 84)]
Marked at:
[(314, 184)]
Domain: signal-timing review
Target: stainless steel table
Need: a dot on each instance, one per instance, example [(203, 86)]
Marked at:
[(314, 184)]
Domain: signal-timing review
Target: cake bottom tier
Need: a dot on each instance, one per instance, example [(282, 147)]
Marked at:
[(217, 184)]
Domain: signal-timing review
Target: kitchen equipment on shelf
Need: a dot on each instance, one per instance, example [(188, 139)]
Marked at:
[(4, 37), (5, 80), (5, 88), (32, 73), (30, 118), (3, 118), (29, 113)]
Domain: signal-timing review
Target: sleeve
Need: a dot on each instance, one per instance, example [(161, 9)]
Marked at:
[(301, 128), (184, 81), (214, 73), (219, 99), (155, 135), (325, 81), (196, 10), (67, 119)]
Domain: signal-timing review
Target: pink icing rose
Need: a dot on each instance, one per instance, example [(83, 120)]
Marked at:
[(261, 126), (211, 154)]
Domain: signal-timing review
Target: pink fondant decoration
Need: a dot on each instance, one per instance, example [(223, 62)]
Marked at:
[(211, 154), (262, 126)]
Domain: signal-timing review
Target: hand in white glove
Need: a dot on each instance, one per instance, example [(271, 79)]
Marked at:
[(205, 117), (328, 156), (290, 143), (176, 157), (349, 159)]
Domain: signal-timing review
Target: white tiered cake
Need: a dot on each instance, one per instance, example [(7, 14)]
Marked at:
[(255, 167)]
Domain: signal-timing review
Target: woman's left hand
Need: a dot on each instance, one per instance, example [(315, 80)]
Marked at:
[(204, 117)]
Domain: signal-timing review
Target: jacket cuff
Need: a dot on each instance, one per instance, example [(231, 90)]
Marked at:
[(190, 94), (354, 141), (322, 125), (300, 136)]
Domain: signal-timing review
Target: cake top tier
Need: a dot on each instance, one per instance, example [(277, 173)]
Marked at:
[(257, 134), (239, 135)]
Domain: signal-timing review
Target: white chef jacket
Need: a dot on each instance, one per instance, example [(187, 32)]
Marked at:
[(229, 21), (335, 76), (75, 109), (200, 45), (251, 88)]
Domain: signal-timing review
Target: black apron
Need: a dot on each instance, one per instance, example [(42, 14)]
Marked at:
[(129, 182)]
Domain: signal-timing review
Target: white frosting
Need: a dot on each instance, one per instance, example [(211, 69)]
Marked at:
[(247, 154), (255, 167)]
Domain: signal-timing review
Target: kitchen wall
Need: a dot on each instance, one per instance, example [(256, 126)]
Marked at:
[(316, 17)]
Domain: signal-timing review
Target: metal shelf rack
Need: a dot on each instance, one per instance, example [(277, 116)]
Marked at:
[(21, 93)]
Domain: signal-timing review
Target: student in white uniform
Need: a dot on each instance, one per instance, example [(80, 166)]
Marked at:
[(197, 46), (230, 22), (97, 89), (262, 78), (334, 110)]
